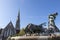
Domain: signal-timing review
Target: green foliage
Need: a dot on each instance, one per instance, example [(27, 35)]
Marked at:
[(22, 32)]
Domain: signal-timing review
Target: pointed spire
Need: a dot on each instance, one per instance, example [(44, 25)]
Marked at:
[(19, 14), (18, 22)]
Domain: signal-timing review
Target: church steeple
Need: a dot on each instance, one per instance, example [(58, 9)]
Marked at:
[(18, 22)]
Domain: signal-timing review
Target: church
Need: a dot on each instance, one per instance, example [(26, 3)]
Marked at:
[(10, 29)]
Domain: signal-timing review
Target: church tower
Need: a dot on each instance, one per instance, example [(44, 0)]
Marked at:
[(18, 22)]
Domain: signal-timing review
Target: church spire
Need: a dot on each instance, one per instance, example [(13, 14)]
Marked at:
[(18, 22)]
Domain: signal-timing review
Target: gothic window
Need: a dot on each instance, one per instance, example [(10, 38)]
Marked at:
[(10, 32), (5, 33)]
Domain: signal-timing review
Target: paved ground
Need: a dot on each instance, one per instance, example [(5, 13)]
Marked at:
[(30, 37), (52, 37)]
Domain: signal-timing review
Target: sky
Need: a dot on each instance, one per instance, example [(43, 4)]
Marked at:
[(31, 11), (8, 12)]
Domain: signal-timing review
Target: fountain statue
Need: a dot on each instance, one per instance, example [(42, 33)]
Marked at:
[(51, 24)]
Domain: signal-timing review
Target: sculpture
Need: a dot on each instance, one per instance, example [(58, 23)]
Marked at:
[(52, 28), (31, 28), (51, 24)]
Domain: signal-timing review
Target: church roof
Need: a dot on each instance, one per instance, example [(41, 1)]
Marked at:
[(9, 26)]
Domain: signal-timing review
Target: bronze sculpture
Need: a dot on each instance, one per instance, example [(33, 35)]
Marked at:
[(51, 24)]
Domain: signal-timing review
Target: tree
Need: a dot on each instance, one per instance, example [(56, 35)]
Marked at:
[(22, 32)]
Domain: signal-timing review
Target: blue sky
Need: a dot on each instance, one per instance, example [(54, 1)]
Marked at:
[(31, 11), (8, 12)]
